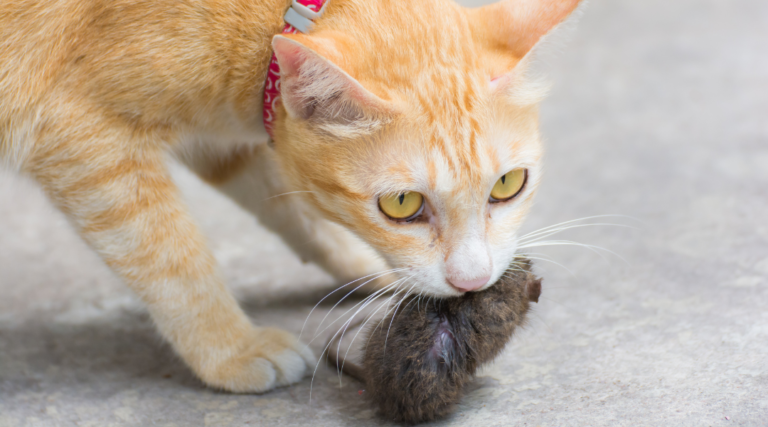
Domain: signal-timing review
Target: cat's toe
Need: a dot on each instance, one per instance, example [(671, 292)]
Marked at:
[(272, 359), (290, 367), (257, 377)]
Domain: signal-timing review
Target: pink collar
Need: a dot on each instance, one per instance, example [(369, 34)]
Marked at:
[(299, 18)]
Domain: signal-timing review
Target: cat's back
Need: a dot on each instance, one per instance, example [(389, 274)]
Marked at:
[(120, 54), (99, 49), (34, 36)]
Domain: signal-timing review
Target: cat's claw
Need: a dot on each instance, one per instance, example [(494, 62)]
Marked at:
[(274, 358)]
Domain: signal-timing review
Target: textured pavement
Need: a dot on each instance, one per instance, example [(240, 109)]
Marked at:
[(658, 113)]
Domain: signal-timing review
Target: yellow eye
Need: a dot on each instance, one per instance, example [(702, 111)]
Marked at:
[(509, 185), (402, 206)]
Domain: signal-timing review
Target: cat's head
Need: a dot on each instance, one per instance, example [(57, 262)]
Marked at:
[(411, 124)]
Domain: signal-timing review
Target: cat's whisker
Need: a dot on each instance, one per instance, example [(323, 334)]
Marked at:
[(414, 299), (360, 329), (386, 337), (417, 299), (510, 269), (389, 303), (346, 324), (376, 276), (524, 256), (394, 313), (544, 234), (552, 227), (286, 194), (593, 248), (378, 325), (561, 224), (365, 301), (407, 291), (535, 238), (543, 258), (369, 300), (385, 314)]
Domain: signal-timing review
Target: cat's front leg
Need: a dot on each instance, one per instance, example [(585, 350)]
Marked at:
[(122, 201), (254, 181)]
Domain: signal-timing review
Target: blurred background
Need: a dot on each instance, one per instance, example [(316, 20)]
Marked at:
[(658, 115)]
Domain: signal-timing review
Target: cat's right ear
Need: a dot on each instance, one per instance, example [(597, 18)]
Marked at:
[(315, 89)]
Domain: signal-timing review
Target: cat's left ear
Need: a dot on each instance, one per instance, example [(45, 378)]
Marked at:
[(517, 25), (315, 89), (510, 29)]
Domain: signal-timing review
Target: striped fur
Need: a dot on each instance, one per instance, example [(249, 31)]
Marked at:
[(383, 96)]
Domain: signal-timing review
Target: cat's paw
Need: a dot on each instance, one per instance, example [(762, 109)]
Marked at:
[(272, 358)]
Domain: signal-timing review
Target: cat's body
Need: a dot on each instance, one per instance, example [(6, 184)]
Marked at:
[(382, 97)]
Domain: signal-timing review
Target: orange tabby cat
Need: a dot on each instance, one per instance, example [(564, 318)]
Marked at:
[(406, 134)]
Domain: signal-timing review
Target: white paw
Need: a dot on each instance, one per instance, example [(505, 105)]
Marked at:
[(272, 358), (291, 365)]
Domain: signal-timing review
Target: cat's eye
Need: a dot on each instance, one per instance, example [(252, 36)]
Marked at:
[(509, 185), (405, 206)]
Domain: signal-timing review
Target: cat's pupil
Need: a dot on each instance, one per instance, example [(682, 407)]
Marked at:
[(402, 197), (503, 178)]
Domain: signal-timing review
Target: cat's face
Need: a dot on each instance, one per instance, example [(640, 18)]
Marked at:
[(419, 136)]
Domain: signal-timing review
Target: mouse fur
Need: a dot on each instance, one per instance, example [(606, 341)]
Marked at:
[(416, 369)]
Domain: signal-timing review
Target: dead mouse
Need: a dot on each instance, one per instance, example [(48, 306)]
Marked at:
[(416, 369)]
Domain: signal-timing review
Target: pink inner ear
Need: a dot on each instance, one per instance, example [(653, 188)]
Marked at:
[(496, 82), (289, 55)]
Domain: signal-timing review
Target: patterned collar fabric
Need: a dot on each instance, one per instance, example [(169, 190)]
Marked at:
[(301, 14)]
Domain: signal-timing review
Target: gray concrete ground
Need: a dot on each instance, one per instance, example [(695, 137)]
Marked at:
[(658, 112)]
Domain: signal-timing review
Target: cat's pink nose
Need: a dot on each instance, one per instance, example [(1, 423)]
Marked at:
[(469, 285)]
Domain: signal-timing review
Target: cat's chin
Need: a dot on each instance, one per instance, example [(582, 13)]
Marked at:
[(444, 291), (447, 290)]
